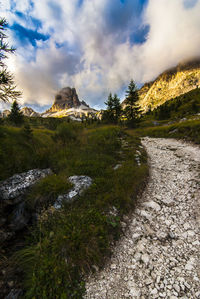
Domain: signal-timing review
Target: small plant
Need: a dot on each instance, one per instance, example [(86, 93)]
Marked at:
[(27, 132)]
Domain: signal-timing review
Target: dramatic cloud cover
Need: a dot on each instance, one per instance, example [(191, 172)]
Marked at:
[(96, 46)]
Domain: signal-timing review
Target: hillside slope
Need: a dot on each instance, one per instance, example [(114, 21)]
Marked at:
[(181, 106), (170, 84)]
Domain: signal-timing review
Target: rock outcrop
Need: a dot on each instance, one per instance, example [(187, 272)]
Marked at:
[(13, 212), (81, 183), (13, 188)]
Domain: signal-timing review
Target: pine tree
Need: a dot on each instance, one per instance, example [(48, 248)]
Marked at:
[(132, 109), (7, 87), (108, 114), (16, 115), (117, 108), (113, 112)]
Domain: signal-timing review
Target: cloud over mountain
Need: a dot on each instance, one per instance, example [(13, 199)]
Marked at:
[(97, 46)]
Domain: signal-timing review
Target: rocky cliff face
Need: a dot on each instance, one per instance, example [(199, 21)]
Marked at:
[(170, 84), (67, 103), (66, 98)]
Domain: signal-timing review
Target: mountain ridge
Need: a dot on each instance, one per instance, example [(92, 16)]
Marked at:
[(66, 104), (171, 83)]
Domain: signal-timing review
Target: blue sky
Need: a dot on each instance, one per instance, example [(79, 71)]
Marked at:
[(96, 46)]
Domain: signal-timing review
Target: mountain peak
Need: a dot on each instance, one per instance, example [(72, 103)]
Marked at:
[(66, 98), (67, 103)]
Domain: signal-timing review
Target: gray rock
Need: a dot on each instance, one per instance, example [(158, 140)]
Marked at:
[(145, 258), (14, 294), (117, 166), (113, 211), (153, 205), (81, 183), (154, 291), (173, 131), (13, 188)]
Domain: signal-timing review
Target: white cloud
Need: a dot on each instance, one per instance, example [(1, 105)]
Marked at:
[(98, 55)]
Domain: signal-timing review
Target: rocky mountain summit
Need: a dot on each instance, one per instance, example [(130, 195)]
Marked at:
[(66, 98), (170, 84), (27, 111), (67, 103)]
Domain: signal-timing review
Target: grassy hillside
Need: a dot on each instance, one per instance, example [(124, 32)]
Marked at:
[(188, 130), (68, 243), (177, 118), (179, 107)]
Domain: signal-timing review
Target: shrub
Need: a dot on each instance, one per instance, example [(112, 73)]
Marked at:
[(67, 132)]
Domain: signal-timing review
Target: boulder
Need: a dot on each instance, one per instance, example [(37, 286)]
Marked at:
[(12, 189), (81, 183), (14, 214)]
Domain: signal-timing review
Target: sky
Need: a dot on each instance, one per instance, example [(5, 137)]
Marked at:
[(96, 46)]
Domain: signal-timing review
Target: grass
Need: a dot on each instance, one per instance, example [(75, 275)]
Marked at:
[(67, 244), (176, 118), (188, 130), (18, 154), (181, 106)]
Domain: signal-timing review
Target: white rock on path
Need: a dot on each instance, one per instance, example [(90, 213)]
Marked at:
[(158, 262), (153, 205)]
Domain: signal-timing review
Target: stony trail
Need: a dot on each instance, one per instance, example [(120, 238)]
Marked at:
[(159, 254)]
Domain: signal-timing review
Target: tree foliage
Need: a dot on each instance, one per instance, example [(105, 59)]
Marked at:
[(113, 111), (132, 109), (7, 86), (16, 115)]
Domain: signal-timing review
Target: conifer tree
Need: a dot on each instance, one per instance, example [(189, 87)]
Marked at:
[(113, 112), (108, 114), (7, 86), (132, 109), (16, 115), (116, 108)]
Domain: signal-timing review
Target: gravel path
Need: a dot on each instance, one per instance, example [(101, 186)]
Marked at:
[(158, 256)]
